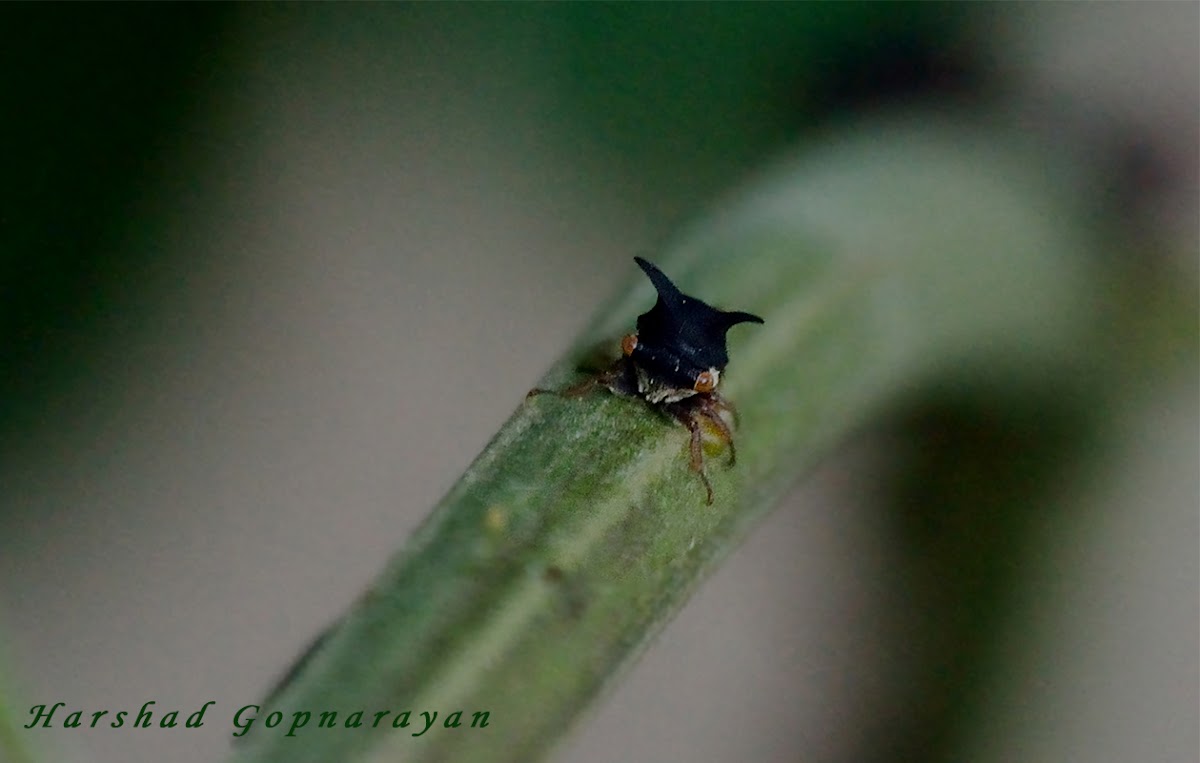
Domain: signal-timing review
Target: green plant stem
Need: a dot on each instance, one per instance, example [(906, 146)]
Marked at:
[(878, 260)]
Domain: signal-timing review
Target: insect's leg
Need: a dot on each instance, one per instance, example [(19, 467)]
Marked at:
[(711, 412), (696, 448), (722, 404), (611, 378), (578, 390)]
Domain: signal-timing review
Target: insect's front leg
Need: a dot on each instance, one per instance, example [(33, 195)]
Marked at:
[(690, 419), (577, 390), (617, 378)]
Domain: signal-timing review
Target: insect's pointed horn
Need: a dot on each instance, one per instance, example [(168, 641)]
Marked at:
[(662, 284), (734, 318)]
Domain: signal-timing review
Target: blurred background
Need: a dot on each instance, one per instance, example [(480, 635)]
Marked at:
[(271, 276)]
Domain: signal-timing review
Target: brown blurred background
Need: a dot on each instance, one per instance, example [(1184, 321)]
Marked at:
[(272, 276)]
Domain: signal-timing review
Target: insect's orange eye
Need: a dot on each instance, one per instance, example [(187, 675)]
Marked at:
[(706, 381), (629, 344)]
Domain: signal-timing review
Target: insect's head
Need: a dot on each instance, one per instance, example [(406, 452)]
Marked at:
[(680, 342)]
